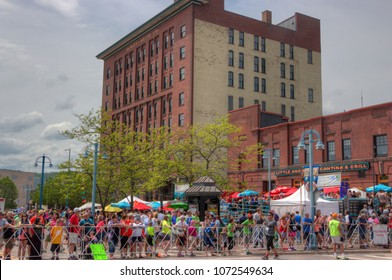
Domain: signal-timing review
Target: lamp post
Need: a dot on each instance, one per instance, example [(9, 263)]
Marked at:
[(41, 159), (69, 164), (94, 176), (267, 155), (319, 146)]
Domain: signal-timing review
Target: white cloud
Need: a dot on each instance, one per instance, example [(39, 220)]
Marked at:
[(52, 131), (12, 146), (22, 122), (67, 104), (68, 8), (9, 50)]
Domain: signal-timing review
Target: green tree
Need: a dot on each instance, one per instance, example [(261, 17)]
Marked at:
[(9, 191)]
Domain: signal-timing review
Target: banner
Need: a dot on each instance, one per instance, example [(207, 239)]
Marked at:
[(329, 180), (380, 234)]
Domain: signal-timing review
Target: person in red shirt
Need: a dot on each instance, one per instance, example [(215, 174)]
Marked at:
[(74, 229), (125, 234)]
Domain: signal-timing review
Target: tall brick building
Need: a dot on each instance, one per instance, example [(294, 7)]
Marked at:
[(194, 60), (358, 143)]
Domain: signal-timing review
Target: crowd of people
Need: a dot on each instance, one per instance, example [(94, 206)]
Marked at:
[(153, 233)]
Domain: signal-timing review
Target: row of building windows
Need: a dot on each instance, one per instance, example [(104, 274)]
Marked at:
[(168, 41), (380, 150), (259, 43)]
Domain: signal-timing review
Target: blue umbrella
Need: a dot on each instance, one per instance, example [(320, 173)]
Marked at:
[(122, 205), (378, 188), (248, 192), (154, 205)]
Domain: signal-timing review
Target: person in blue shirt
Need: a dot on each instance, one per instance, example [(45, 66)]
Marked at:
[(298, 219), (307, 222)]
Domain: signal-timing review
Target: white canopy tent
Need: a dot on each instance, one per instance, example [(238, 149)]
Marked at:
[(363, 194), (88, 206), (300, 201)]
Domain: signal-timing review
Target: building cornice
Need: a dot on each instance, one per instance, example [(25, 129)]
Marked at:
[(146, 27)]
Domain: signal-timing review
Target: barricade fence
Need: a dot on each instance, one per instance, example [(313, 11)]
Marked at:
[(44, 242)]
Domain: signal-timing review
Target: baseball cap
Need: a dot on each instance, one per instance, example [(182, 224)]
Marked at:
[(76, 209), (334, 215)]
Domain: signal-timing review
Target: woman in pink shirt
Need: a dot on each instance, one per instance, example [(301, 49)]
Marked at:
[(192, 235)]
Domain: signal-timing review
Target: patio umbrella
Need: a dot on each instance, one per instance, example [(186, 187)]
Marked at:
[(234, 195), (248, 192), (379, 187), (112, 209), (122, 205), (140, 206), (179, 204), (154, 204)]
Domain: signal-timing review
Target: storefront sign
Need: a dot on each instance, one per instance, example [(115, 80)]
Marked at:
[(329, 180), (327, 168)]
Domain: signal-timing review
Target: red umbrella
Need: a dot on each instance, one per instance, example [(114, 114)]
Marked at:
[(140, 206), (235, 195)]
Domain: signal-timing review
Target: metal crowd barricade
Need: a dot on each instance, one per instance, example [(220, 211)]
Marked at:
[(162, 243)]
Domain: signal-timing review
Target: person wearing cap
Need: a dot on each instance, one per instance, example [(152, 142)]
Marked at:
[(74, 230), (181, 228), (336, 232), (247, 233)]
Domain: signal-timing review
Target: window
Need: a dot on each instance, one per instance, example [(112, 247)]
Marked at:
[(165, 82), (291, 52), (241, 39), (164, 107), (165, 63), (107, 90), (240, 102), (183, 31), (331, 150), (171, 80), (152, 48), (182, 74), (151, 70), (231, 58), (263, 106), (156, 87), (231, 79), (181, 120), (291, 72), (263, 66), (230, 105), (346, 149), (282, 70), (171, 60), (171, 38), (231, 36), (282, 50), (292, 92), (108, 73), (256, 43), (263, 44), (282, 90), (241, 81), (156, 67), (241, 61), (182, 52), (149, 114), (256, 101), (380, 145), (294, 155), (170, 104), (256, 64), (310, 95), (157, 45), (292, 114), (276, 157), (166, 43), (256, 84), (263, 85), (310, 57), (283, 110), (181, 99)]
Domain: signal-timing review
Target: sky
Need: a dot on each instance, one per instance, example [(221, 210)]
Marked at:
[(49, 71)]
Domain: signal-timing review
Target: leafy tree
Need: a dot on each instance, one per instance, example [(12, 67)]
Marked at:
[(9, 191)]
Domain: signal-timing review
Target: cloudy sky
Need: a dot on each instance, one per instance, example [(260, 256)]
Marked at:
[(48, 69)]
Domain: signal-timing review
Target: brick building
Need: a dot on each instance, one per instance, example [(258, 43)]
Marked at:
[(24, 182), (195, 60), (358, 143)]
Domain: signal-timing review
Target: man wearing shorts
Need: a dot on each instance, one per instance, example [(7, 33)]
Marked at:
[(336, 233), (270, 230), (73, 233)]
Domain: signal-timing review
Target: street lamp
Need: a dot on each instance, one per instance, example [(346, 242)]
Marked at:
[(303, 146), (267, 155), (94, 176), (41, 159)]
